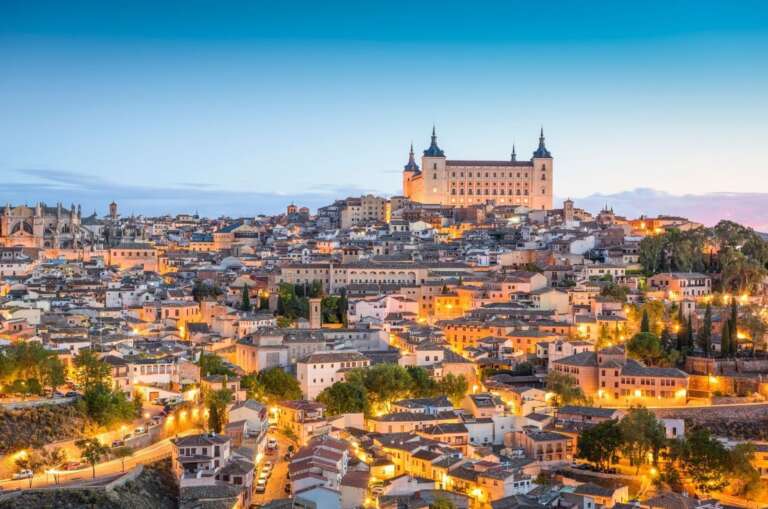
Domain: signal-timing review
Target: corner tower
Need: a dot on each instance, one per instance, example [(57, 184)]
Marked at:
[(433, 170), (541, 185)]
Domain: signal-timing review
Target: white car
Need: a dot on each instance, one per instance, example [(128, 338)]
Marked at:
[(271, 443), (23, 474)]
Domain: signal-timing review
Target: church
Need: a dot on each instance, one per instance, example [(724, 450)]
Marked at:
[(461, 182), (41, 227)]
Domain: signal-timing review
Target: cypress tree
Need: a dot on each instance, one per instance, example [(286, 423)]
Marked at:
[(245, 305), (725, 339), (681, 333), (645, 325), (689, 333), (734, 317), (705, 332)]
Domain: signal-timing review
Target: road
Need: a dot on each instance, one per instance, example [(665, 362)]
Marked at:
[(8, 467), (277, 481), (150, 454)]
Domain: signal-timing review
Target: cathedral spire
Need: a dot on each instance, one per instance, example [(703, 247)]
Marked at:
[(542, 150), (514, 154)]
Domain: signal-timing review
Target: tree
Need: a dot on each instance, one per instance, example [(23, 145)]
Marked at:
[(641, 435), (565, 388), (245, 303), (383, 383), (616, 291), (92, 451), (217, 402), (600, 444), (275, 384), (343, 398), (725, 340), (107, 406), (455, 387), (31, 461), (703, 459), (442, 502), (212, 364), (645, 325), (91, 371), (422, 385), (704, 336), (121, 453), (52, 458), (745, 477), (645, 347)]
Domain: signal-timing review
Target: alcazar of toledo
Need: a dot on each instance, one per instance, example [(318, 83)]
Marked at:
[(458, 182)]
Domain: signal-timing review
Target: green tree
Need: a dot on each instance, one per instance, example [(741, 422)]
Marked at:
[(616, 291), (725, 340), (384, 383), (343, 398), (646, 348), (423, 385), (92, 451), (217, 402), (212, 364), (275, 384), (245, 302), (704, 336), (645, 325), (641, 435), (106, 406), (442, 502), (566, 389), (703, 459), (600, 444), (455, 387), (91, 371), (122, 453)]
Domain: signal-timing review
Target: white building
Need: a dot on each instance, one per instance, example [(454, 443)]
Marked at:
[(320, 370), (381, 307)]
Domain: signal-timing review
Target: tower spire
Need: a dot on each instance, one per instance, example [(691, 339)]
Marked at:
[(514, 154), (542, 150), (434, 150), (411, 166)]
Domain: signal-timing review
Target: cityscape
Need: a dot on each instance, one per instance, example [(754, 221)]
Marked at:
[(298, 328)]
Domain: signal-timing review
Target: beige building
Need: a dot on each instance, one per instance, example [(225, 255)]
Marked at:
[(459, 182), (365, 210)]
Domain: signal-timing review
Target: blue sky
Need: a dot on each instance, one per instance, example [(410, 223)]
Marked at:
[(241, 107)]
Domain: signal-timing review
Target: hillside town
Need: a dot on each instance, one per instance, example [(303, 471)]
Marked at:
[(386, 353)]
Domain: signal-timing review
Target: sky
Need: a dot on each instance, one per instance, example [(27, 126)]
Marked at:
[(241, 107)]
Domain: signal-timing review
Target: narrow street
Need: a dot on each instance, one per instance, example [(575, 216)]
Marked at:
[(278, 480)]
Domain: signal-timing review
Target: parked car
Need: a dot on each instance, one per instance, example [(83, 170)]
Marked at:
[(377, 490), (288, 488), (267, 465), (140, 430), (118, 443), (72, 394), (261, 486), (23, 474)]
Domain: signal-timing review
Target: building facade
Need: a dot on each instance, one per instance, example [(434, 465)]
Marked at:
[(459, 182), (41, 227)]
